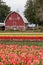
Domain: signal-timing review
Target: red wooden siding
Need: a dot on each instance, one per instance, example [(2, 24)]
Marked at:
[(14, 20)]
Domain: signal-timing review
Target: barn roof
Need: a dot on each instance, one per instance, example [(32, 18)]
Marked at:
[(24, 19)]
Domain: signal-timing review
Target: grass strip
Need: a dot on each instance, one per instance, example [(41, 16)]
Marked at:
[(29, 43)]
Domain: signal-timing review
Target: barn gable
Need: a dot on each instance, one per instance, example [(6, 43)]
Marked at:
[(15, 21)]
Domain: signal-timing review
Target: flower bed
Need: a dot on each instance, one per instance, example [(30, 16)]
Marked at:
[(21, 55), (19, 38)]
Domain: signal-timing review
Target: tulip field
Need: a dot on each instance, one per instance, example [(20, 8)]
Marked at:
[(21, 55), (22, 36), (21, 48)]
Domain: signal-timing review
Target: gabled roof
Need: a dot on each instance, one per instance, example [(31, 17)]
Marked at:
[(24, 18)]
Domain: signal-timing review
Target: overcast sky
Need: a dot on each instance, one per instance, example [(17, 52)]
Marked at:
[(16, 5)]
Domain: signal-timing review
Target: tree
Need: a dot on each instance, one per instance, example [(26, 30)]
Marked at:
[(34, 11), (39, 11), (30, 11), (4, 10)]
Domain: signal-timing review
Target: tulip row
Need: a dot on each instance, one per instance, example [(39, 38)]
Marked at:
[(21, 55), (19, 38)]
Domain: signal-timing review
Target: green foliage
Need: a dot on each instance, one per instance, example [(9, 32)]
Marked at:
[(29, 43), (34, 11), (29, 10), (4, 10)]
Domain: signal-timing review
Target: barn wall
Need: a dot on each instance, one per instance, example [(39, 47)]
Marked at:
[(14, 21), (15, 28)]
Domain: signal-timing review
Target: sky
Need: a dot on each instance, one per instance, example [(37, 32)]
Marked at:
[(16, 5)]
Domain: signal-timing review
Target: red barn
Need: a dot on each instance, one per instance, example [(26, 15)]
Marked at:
[(15, 21)]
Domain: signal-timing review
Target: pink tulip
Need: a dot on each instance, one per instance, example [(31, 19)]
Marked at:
[(42, 62), (1, 63)]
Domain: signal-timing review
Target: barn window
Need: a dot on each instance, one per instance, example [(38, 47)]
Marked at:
[(18, 18), (10, 18)]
